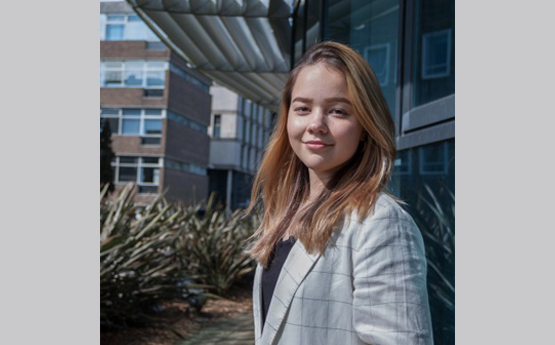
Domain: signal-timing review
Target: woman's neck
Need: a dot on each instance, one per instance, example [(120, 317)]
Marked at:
[(318, 182)]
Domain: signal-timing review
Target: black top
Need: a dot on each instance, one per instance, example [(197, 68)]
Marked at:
[(271, 274)]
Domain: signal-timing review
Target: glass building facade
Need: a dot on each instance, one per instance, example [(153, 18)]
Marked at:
[(410, 45)]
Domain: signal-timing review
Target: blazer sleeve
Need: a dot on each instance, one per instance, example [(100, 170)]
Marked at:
[(390, 299)]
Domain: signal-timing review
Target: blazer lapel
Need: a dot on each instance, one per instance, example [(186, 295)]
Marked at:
[(297, 265), (257, 302)]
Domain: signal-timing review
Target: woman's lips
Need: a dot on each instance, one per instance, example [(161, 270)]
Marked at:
[(316, 145)]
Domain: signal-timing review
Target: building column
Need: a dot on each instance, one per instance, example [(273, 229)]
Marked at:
[(229, 188)]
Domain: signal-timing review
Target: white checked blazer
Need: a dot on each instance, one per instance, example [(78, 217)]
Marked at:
[(369, 287)]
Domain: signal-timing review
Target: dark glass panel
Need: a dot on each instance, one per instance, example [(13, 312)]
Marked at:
[(152, 127), (112, 122), (150, 175), (434, 53), (150, 141), (127, 174), (151, 160), (424, 177), (372, 29), (148, 189), (153, 93), (128, 159)]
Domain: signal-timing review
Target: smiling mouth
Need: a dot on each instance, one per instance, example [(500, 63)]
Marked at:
[(315, 145)]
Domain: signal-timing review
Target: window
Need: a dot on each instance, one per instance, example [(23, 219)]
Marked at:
[(146, 123), (113, 73), (403, 164), (150, 75), (153, 93), (155, 73), (187, 122), (372, 29), (244, 132), (125, 27), (433, 56), (185, 167), (189, 77), (217, 125), (433, 160), (436, 54), (111, 116), (247, 108), (378, 57), (240, 105), (115, 27), (145, 171), (134, 73)]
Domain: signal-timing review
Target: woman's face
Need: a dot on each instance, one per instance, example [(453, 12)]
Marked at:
[(323, 131)]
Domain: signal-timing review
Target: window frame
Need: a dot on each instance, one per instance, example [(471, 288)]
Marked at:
[(146, 36), (124, 71), (425, 42), (138, 165), (142, 117)]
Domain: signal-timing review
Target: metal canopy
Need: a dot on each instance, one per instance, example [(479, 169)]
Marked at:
[(242, 44)]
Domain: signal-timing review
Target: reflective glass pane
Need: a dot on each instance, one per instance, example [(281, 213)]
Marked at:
[(131, 112), (127, 174), (134, 77), (114, 32), (153, 93), (128, 159), (150, 140), (299, 36), (102, 26), (113, 64), (434, 54), (130, 126), (152, 127), (217, 124), (155, 78), (153, 112), (424, 177), (116, 18), (136, 30), (372, 29), (109, 111), (155, 64), (151, 160), (113, 77)]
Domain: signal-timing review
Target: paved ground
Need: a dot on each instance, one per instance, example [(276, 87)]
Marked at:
[(236, 331)]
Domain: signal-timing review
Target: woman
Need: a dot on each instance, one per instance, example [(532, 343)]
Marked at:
[(339, 261)]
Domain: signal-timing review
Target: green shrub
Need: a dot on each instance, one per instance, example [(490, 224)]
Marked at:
[(138, 266), (163, 251), (213, 245)]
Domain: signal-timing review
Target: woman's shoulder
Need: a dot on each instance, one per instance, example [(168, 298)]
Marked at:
[(387, 222), (386, 209)]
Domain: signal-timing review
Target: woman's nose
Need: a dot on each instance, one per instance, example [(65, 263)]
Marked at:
[(317, 122)]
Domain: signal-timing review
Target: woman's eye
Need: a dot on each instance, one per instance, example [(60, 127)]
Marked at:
[(338, 112), (302, 110)]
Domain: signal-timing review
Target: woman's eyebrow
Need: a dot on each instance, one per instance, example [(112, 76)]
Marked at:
[(337, 100), (327, 100), (302, 99)]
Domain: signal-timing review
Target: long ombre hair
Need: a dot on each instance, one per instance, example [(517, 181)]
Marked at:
[(281, 185)]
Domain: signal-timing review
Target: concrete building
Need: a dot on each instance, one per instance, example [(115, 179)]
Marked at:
[(157, 107), (239, 131)]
